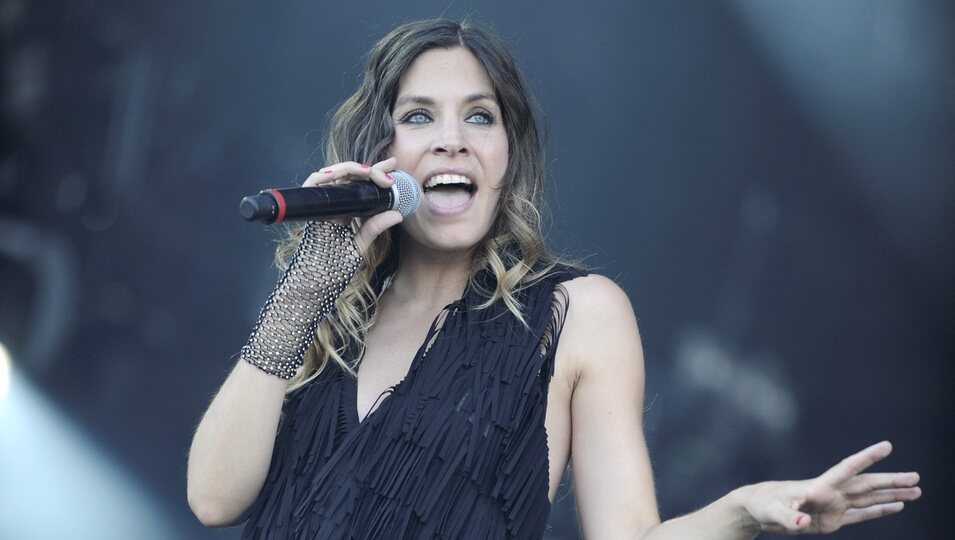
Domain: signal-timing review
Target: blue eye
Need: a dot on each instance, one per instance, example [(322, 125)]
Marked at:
[(481, 117), (415, 117)]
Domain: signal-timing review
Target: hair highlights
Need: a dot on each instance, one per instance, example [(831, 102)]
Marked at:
[(362, 130)]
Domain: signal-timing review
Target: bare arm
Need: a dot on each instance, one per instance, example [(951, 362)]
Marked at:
[(232, 448), (613, 481), (841, 496), (612, 476)]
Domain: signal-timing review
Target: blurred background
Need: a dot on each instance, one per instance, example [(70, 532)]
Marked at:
[(773, 183)]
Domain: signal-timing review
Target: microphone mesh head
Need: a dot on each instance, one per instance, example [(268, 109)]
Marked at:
[(407, 193)]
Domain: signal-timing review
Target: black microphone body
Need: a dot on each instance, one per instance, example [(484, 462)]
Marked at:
[(354, 199)]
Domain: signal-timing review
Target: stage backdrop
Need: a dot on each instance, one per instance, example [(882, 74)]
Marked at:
[(772, 183)]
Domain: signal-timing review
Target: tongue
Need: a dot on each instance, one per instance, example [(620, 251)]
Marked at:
[(447, 199)]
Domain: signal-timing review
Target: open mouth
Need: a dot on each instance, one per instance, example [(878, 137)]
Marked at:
[(449, 191)]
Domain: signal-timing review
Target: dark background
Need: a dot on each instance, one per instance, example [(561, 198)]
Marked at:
[(773, 183)]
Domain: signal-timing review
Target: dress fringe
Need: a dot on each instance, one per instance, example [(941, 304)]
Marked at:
[(457, 449)]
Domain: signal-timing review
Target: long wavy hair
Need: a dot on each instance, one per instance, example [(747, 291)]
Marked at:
[(362, 130)]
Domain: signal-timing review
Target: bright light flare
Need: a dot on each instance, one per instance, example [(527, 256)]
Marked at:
[(4, 372), (57, 483)]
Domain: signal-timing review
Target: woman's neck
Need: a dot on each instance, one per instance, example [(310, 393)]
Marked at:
[(430, 278)]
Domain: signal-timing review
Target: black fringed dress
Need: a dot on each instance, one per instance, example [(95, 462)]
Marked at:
[(457, 449)]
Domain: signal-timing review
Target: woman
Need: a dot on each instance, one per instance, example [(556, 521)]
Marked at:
[(455, 362)]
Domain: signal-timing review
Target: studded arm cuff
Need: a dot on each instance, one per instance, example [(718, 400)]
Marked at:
[(325, 261)]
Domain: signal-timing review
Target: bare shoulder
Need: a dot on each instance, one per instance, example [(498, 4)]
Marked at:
[(596, 301), (595, 295), (600, 330)]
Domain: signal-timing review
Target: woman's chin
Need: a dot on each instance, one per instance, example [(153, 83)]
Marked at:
[(448, 243)]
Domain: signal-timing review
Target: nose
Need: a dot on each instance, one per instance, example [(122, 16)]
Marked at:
[(450, 141)]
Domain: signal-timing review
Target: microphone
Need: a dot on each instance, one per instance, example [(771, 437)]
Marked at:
[(354, 199)]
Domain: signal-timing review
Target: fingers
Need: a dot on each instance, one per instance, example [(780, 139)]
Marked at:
[(375, 225), (387, 165), (352, 170), (856, 463), (840, 496), (884, 496), (318, 178), (855, 515), (865, 483)]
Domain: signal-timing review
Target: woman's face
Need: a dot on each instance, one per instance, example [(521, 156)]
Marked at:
[(450, 137)]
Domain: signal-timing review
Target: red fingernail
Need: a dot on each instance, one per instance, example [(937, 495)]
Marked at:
[(365, 166), (389, 177), (799, 520), (325, 171)]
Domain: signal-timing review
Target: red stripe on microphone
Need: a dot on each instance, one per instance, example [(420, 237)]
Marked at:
[(280, 201)]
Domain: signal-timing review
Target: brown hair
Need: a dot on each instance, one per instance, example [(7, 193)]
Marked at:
[(362, 130)]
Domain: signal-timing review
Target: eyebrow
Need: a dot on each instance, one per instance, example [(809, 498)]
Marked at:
[(425, 100)]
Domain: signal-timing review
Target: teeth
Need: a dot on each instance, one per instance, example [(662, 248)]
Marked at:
[(439, 179)]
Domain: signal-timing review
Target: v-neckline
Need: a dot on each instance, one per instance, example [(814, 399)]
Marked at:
[(351, 387)]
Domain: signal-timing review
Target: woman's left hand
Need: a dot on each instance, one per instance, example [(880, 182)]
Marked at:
[(840, 496)]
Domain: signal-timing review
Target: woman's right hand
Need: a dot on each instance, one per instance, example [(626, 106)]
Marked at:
[(351, 171), (232, 448)]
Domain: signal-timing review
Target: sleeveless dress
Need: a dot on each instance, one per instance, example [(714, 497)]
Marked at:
[(457, 449)]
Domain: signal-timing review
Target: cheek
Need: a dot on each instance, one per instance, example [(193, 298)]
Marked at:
[(497, 167), (404, 147), (397, 149), (496, 154), (503, 147), (494, 207)]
